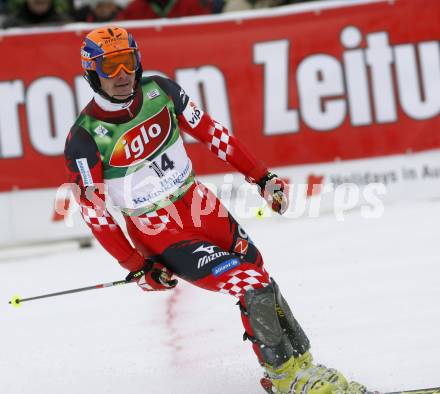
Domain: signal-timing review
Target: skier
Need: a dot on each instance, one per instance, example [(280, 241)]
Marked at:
[(126, 146)]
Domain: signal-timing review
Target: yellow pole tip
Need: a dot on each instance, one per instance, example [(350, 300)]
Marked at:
[(15, 302), (259, 213)]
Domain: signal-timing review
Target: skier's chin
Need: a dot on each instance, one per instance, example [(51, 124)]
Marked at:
[(122, 96), (122, 91)]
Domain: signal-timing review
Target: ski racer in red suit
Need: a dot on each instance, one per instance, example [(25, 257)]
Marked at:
[(126, 145)]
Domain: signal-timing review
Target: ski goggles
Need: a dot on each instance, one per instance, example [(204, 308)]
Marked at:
[(108, 66)]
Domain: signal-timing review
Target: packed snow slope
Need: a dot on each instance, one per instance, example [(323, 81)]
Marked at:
[(367, 292)]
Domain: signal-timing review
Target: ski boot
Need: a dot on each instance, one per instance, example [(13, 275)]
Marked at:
[(299, 375), (284, 349)]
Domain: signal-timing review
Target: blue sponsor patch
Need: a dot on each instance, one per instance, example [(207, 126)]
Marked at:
[(226, 266)]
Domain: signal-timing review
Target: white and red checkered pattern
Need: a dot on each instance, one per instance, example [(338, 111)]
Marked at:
[(144, 284), (155, 218), (220, 141), (242, 281), (98, 219)]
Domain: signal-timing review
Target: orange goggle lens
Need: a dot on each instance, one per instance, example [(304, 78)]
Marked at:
[(110, 65)]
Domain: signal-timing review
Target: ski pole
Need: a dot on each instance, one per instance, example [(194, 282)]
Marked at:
[(17, 301)]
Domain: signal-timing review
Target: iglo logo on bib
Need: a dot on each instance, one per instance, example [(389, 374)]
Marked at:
[(142, 141)]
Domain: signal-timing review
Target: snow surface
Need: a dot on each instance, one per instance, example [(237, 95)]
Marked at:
[(366, 291)]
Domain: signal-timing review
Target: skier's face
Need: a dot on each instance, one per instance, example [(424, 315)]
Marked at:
[(120, 86)]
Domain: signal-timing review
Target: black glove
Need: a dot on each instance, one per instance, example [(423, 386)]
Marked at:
[(274, 190)]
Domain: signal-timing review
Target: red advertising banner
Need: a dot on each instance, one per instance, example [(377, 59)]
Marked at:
[(330, 83)]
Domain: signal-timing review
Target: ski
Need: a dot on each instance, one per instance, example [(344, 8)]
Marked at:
[(434, 390), (267, 386)]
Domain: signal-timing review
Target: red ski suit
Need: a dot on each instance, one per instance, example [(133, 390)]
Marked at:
[(195, 237)]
